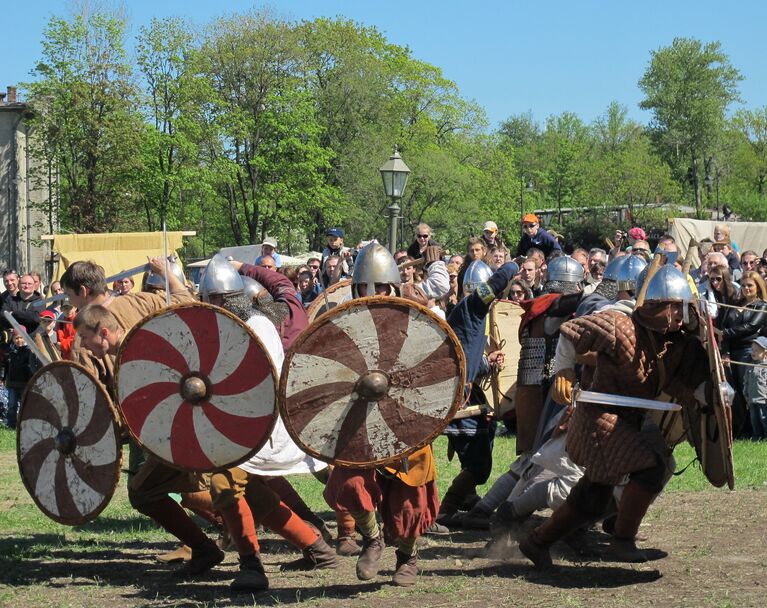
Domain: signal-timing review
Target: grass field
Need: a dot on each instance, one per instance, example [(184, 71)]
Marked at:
[(30, 543), (19, 515)]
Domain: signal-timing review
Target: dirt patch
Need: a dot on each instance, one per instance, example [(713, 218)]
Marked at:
[(716, 544)]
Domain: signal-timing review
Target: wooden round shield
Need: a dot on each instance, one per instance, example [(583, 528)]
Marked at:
[(710, 430), (371, 381), (196, 387), (68, 443), (335, 295)]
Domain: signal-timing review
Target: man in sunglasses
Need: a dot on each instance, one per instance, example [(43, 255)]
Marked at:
[(535, 236)]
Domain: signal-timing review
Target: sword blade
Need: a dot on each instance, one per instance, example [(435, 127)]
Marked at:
[(624, 401), (47, 301), (45, 360), (127, 273)]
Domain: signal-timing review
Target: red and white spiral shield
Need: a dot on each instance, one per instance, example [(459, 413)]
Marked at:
[(371, 381), (68, 443), (196, 387)]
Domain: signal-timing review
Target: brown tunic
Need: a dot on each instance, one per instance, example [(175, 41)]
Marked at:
[(631, 361)]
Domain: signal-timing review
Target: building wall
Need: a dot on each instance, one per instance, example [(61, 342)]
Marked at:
[(23, 198)]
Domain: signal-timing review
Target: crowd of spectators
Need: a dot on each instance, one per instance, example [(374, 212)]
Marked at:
[(732, 282)]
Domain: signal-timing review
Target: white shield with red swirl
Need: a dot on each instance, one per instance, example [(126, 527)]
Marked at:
[(68, 443), (371, 381), (196, 387)]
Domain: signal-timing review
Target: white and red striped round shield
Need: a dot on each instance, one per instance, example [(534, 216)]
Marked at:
[(68, 443), (371, 381), (196, 387)]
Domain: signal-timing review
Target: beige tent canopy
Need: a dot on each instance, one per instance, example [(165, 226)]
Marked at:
[(115, 251), (746, 235)]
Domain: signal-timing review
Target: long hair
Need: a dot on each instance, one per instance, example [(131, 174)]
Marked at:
[(761, 287), (727, 293)]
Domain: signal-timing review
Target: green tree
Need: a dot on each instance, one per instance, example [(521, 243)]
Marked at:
[(85, 103), (266, 154), (689, 87)]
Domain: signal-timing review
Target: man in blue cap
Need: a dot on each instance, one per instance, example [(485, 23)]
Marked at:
[(336, 247)]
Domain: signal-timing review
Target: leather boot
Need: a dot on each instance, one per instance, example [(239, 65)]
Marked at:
[(317, 556), (251, 576), (564, 520), (181, 554), (406, 571), (462, 486), (347, 535), (634, 503), (368, 561), (204, 557)]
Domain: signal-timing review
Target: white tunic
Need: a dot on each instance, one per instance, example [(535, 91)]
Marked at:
[(280, 455)]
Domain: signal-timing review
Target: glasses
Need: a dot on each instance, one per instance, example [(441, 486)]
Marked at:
[(715, 279), (748, 262), (8, 271), (314, 267), (529, 225), (423, 236)]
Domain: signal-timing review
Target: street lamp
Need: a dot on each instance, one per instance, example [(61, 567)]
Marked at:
[(522, 189), (394, 173), (708, 181)]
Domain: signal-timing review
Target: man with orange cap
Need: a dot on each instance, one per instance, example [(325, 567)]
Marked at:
[(535, 236)]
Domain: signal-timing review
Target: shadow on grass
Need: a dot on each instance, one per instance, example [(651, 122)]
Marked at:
[(45, 560), (567, 576)]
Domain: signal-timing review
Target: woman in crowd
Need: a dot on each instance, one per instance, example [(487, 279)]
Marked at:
[(518, 291), (718, 289), (740, 327), (422, 241)]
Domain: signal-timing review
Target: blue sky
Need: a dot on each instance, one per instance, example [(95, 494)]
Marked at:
[(548, 57)]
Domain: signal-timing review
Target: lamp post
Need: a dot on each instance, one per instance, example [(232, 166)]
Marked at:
[(522, 188), (708, 181), (394, 173)]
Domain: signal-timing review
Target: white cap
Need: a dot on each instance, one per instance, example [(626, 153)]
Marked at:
[(490, 226), (270, 240)]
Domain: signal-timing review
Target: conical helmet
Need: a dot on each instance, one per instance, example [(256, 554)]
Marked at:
[(611, 270), (629, 270), (565, 269), (157, 281), (477, 273), (668, 284), (220, 278), (252, 287), (374, 264)]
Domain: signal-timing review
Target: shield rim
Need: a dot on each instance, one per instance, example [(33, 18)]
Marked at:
[(316, 304), (116, 427), (217, 309), (458, 397), (719, 413)]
